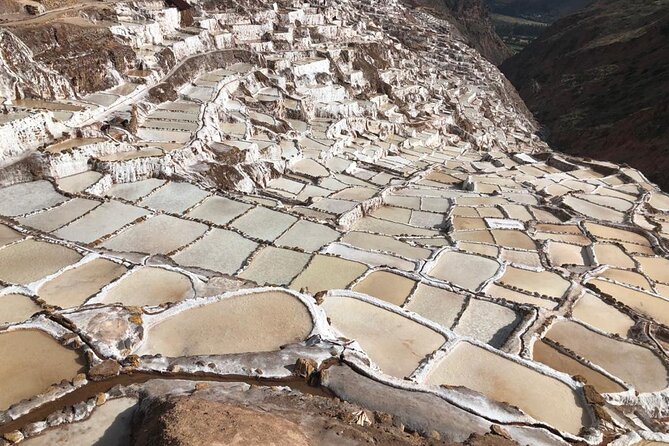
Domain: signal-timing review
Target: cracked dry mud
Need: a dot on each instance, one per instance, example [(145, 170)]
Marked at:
[(338, 211)]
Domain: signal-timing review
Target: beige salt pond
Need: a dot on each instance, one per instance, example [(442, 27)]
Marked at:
[(32, 361), (74, 286), (436, 304), (29, 260), (230, 252), (542, 282), (328, 273), (647, 304), (540, 396), (275, 266), (54, 218), (501, 292), (609, 254), (395, 343), (465, 270), (8, 235), (546, 354), (161, 234), (248, 323), (631, 363), (16, 308), (657, 268), (386, 286), (149, 286), (592, 310)]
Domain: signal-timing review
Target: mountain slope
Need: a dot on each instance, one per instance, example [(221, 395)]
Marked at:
[(599, 82)]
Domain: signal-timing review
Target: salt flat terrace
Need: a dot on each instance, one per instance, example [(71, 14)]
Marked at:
[(266, 189)]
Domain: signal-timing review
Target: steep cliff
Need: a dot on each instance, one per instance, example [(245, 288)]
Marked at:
[(472, 19), (599, 82)]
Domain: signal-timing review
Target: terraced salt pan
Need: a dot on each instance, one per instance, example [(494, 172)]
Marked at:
[(386, 286), (593, 210), (79, 182), (613, 255), (23, 198), (593, 311), (149, 286), (566, 254), (275, 266), (436, 304), (512, 239), (328, 273), (160, 234), (628, 277), (219, 250), (16, 308), (219, 210), (174, 197), (640, 367), (109, 425), (134, 191), (369, 258), (54, 218), (8, 235), (29, 260), (542, 282), (32, 361), (395, 343), (308, 236), (657, 268), (386, 227), (487, 322), (540, 396), (557, 360), (500, 292), (263, 223), (398, 215), (247, 323), (610, 233), (655, 307), (105, 219), (74, 286), (465, 270)]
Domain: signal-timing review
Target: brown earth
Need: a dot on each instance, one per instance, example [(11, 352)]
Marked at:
[(598, 81)]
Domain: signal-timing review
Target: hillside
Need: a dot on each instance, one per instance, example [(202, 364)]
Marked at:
[(599, 82)]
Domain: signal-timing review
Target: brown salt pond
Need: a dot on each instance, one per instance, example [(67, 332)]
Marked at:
[(328, 273), (395, 343), (386, 286), (611, 233), (248, 323), (8, 235), (29, 260), (627, 277), (632, 363), (592, 310), (16, 308), (149, 286), (540, 396), (465, 270), (647, 304), (74, 286), (32, 361), (557, 360)]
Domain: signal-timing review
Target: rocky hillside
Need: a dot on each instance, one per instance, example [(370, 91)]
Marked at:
[(472, 19), (541, 10), (599, 82)]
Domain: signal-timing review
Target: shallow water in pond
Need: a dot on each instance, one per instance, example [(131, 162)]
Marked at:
[(32, 361), (249, 323)]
